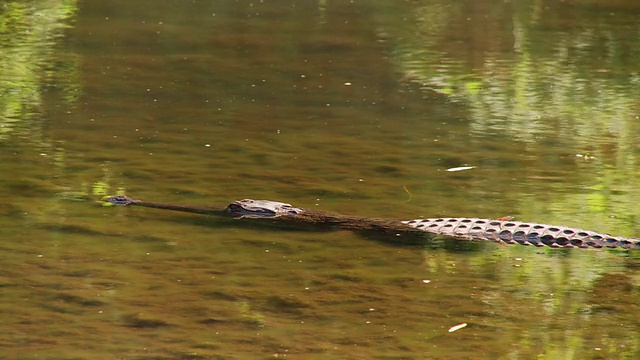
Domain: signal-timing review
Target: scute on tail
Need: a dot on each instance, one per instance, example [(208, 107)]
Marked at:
[(523, 233)]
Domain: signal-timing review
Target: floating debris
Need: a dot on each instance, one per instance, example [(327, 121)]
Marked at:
[(461, 168), (585, 157), (457, 327)]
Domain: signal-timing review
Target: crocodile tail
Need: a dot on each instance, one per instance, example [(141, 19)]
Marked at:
[(523, 233)]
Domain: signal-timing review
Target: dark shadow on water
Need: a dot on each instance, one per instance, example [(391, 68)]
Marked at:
[(411, 240)]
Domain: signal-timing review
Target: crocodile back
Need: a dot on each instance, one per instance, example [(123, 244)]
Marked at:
[(524, 233)]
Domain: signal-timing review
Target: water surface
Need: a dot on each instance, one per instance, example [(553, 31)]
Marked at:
[(348, 106)]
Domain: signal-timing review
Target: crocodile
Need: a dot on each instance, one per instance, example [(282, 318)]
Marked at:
[(499, 231)]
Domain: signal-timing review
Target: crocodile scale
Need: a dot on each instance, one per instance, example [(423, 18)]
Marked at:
[(523, 233)]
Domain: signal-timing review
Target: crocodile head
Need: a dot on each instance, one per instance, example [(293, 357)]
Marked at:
[(249, 208), (120, 200)]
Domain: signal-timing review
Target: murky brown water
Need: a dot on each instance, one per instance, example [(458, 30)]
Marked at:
[(349, 106)]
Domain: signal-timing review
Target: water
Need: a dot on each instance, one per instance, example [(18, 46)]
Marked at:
[(354, 107)]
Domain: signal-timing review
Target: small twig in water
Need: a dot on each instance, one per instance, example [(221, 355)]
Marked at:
[(407, 191)]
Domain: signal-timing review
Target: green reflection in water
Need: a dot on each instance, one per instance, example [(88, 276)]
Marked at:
[(30, 61), (563, 291), (527, 75)]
